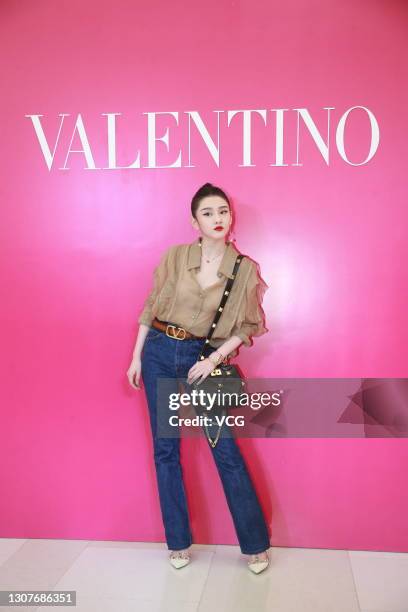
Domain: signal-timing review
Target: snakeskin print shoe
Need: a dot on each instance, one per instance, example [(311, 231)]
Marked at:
[(258, 565), (179, 558)]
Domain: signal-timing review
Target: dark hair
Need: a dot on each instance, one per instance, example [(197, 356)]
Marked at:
[(207, 190)]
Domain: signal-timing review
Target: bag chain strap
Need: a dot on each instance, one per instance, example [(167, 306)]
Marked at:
[(222, 303)]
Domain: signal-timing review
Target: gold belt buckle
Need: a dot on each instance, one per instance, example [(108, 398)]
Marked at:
[(176, 337)]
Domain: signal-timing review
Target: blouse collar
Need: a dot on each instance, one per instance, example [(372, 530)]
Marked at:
[(227, 263)]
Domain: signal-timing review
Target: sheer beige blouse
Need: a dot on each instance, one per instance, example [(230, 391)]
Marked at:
[(178, 298)]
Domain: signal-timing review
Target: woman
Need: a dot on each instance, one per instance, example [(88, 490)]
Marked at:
[(188, 286)]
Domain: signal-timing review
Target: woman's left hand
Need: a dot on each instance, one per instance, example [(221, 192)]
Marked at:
[(200, 370)]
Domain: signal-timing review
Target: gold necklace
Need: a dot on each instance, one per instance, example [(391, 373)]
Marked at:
[(214, 258)]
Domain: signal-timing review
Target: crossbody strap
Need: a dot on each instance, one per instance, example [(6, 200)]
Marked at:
[(222, 303)]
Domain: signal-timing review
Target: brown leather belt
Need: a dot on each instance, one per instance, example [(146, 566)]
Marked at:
[(175, 331)]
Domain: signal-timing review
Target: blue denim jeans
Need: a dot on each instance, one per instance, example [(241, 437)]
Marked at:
[(168, 358)]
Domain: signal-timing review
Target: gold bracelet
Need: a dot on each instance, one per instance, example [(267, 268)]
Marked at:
[(219, 358)]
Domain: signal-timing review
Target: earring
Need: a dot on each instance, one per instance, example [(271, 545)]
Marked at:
[(232, 237)]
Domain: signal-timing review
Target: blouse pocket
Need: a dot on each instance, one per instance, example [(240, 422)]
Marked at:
[(167, 290), (166, 295)]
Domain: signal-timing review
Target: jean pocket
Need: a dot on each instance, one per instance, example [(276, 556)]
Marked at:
[(153, 334)]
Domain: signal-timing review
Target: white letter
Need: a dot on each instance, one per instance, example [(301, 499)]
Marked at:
[(279, 136), (246, 132), (151, 137), (311, 126), (375, 136), (215, 151), (49, 158), (112, 145), (86, 150)]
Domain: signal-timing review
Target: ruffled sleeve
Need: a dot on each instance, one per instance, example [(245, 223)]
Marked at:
[(250, 321), (160, 274)]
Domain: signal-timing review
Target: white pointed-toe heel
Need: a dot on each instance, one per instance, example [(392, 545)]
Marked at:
[(179, 558), (258, 565)]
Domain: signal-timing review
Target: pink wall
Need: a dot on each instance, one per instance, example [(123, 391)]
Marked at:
[(78, 248)]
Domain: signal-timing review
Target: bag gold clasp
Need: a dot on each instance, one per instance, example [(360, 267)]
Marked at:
[(216, 372)]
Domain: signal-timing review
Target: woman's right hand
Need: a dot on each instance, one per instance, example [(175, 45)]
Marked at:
[(134, 373)]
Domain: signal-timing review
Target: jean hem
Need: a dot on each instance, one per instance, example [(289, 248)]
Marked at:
[(179, 547), (257, 551)]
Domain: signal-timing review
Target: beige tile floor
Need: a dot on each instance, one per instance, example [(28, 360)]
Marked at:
[(137, 577)]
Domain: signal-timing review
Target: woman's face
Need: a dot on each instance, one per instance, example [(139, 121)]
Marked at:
[(213, 211)]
